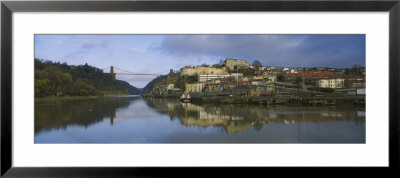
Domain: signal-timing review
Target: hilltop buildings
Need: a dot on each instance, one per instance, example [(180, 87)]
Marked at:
[(236, 63), (238, 78), (205, 78), (190, 71)]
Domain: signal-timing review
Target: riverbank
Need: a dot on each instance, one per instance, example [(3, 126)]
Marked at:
[(275, 100), (292, 100), (64, 98), (69, 98)]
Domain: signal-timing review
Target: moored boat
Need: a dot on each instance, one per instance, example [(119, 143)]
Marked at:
[(186, 98)]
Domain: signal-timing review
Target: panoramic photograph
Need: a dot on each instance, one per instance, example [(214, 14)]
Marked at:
[(199, 88)]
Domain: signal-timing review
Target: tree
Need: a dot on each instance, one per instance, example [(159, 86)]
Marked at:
[(204, 65), (191, 79), (51, 78), (257, 64), (217, 65), (83, 92), (280, 77), (41, 87)]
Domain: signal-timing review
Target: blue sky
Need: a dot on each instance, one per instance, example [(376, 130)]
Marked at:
[(160, 53)]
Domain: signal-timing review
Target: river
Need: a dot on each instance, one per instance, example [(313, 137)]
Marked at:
[(133, 119)]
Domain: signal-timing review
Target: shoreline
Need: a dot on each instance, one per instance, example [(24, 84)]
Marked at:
[(274, 100), (264, 100), (68, 98)]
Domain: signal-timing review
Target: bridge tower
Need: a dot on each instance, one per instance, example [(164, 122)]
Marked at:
[(112, 72)]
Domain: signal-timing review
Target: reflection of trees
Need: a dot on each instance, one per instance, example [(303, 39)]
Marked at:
[(60, 114), (238, 118)]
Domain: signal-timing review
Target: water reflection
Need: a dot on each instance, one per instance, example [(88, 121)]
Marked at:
[(159, 120), (239, 118), (60, 114)]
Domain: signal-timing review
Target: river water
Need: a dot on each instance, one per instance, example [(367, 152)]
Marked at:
[(133, 119)]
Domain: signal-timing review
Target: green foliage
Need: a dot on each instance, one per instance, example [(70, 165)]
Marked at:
[(83, 80), (247, 72), (149, 87), (217, 65), (83, 92), (191, 79), (172, 78), (300, 81), (131, 89), (355, 70), (257, 64), (42, 87), (280, 77)]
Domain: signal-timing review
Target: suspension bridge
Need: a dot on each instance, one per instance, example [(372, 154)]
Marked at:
[(118, 71)]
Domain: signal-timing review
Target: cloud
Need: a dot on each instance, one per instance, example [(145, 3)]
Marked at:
[(249, 46), (137, 50), (160, 53), (280, 50), (89, 44)]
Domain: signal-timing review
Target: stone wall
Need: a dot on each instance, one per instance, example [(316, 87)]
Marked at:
[(232, 63), (190, 71)]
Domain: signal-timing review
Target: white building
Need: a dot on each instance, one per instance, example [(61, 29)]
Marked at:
[(330, 83), (236, 75), (204, 78)]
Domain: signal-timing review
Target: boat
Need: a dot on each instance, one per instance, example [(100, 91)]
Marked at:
[(186, 98)]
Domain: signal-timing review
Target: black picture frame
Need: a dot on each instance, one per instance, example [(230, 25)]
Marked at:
[(8, 7)]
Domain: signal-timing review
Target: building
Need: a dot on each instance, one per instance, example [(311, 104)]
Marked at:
[(241, 83), (236, 75), (270, 78), (236, 63), (161, 89), (175, 91), (256, 83), (227, 86), (310, 75), (190, 71), (258, 77), (170, 86), (244, 90), (205, 78), (353, 81), (194, 88), (330, 83)]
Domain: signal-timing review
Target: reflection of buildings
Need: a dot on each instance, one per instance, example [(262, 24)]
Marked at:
[(239, 118)]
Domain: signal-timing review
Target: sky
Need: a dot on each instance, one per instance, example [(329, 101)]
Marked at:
[(157, 54)]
